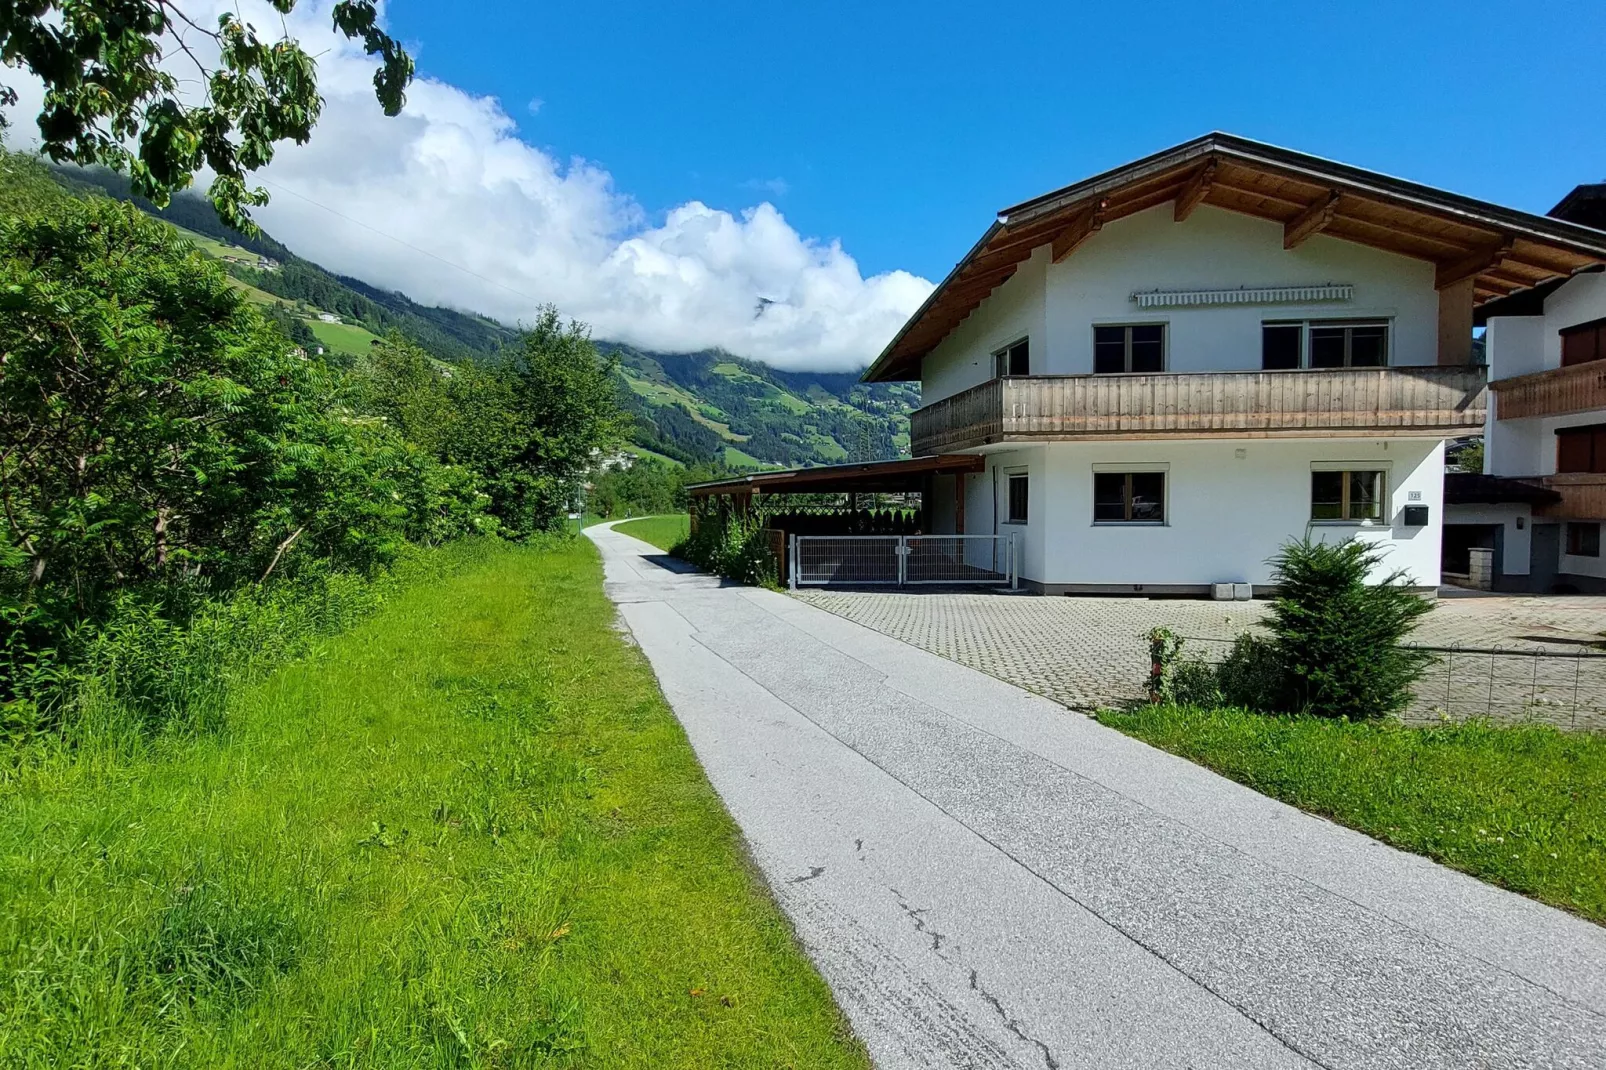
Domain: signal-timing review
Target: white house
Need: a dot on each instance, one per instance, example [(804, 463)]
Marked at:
[(1539, 505), (1172, 368)]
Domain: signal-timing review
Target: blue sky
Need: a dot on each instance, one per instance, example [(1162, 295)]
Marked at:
[(788, 182), (899, 128)]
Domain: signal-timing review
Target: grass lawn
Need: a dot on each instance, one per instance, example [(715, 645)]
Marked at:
[(661, 531), (468, 833), (345, 338), (1523, 807)]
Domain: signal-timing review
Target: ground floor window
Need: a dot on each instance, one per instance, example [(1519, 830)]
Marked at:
[(1018, 487), (1347, 495), (1583, 540), (1129, 497)]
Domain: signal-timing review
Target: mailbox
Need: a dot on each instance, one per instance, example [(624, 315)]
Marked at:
[(1416, 516)]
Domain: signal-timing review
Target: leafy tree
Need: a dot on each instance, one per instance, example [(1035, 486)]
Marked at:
[(157, 433), (105, 86), (530, 423)]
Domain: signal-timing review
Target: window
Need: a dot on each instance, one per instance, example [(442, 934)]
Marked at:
[(1015, 359), (1282, 345), (1324, 344), (1581, 449), (1017, 499), (1129, 497), (1583, 343), (1351, 496), (1583, 540), (1137, 348)]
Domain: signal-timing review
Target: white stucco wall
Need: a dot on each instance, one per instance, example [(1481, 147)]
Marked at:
[(1219, 249), (1226, 514), (1521, 345), (1058, 305)]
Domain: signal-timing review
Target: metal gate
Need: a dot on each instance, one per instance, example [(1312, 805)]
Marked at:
[(902, 560)]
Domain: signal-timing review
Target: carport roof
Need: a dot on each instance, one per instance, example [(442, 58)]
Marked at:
[(1474, 488), (871, 477)]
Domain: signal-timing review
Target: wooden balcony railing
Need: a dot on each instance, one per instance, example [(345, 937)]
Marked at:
[(1557, 392), (1583, 496), (1402, 401)]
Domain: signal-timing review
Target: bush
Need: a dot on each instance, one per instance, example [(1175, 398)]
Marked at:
[(726, 546), (1334, 651), (1338, 637), (1252, 675)]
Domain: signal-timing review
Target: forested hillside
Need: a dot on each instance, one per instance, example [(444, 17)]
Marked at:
[(697, 408), (697, 405)]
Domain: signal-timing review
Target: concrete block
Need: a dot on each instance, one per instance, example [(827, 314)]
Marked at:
[(1222, 592), (1243, 592)]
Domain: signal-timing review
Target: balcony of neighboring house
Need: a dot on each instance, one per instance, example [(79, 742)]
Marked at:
[(1401, 401), (1558, 392), (1583, 496)]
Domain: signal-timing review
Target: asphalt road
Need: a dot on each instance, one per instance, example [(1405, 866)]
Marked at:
[(988, 880)]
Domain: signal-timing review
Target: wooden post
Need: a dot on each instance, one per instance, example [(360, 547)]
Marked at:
[(959, 503), (1455, 322)]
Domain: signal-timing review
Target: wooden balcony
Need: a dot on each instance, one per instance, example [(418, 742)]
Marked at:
[(1557, 392), (1583, 496), (1431, 402)]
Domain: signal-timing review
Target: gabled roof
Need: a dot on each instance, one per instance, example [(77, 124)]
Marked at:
[(1502, 250)]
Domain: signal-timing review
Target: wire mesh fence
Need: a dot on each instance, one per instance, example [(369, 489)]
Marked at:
[(1565, 688), (958, 559), (855, 560), (897, 560)]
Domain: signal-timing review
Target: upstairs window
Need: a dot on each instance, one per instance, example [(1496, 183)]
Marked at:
[(1324, 344), (1129, 497), (1583, 343), (1139, 347), (1347, 495), (1581, 449), (1018, 495), (1014, 359), (1282, 346)]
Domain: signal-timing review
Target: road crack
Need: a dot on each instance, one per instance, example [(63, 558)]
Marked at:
[(1012, 1024)]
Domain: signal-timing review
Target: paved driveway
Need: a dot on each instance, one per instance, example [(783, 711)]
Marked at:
[(1088, 653), (988, 881)]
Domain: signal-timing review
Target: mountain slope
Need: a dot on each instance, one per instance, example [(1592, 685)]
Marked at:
[(693, 407), (696, 405)]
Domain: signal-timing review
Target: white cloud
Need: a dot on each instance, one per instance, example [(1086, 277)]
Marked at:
[(450, 176)]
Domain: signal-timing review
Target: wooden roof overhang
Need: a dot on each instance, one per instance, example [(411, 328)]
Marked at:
[(884, 477), (1502, 251)]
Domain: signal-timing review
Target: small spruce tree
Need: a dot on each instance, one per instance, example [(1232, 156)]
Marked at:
[(1337, 636)]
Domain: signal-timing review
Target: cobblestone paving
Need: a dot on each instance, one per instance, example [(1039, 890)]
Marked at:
[(1091, 652)]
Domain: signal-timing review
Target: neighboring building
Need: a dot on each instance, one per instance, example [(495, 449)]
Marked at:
[(328, 317), (1539, 508), (1173, 368)]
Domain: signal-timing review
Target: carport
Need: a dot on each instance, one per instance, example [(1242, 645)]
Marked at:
[(863, 524)]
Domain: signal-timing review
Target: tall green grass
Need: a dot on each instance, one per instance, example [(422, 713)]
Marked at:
[(467, 832), (1523, 806)]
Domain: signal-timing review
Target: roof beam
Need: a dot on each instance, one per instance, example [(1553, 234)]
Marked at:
[(1312, 220), (1079, 230), (1475, 264), (1193, 194)]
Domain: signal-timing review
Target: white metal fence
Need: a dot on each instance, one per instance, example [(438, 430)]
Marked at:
[(902, 560)]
